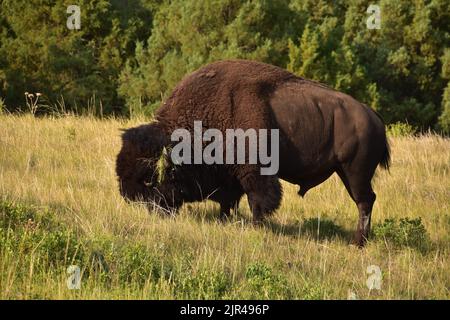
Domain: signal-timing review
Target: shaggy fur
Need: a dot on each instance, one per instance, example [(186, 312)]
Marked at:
[(321, 131)]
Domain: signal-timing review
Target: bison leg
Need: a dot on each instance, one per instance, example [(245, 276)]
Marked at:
[(365, 214), (360, 189), (225, 211), (264, 195), (228, 199)]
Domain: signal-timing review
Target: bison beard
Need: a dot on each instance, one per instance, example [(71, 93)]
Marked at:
[(322, 131)]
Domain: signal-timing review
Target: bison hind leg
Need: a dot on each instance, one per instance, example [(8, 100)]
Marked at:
[(359, 187)]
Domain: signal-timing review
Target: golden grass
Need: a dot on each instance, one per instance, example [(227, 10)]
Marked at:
[(67, 164)]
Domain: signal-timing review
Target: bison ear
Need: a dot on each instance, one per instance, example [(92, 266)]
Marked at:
[(149, 138)]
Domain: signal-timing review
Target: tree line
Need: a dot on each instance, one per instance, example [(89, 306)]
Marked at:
[(128, 55)]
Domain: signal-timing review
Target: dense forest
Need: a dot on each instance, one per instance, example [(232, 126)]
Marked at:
[(128, 55)]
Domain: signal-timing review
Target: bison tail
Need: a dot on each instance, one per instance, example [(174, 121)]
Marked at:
[(386, 160)]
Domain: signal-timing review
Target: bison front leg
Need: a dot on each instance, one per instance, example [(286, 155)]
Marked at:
[(228, 200), (264, 195), (225, 208)]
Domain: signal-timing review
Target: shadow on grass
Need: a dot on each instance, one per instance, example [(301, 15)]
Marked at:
[(318, 229), (212, 215)]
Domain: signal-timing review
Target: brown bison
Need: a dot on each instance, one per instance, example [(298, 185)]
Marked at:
[(321, 131)]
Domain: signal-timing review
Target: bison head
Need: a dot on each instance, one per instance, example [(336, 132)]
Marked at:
[(140, 166)]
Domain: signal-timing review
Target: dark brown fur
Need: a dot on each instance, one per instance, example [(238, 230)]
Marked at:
[(322, 131)]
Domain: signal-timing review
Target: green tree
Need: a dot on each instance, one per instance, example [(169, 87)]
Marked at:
[(40, 54), (444, 119), (395, 69), (129, 55), (189, 34)]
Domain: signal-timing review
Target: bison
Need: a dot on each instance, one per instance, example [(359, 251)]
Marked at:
[(321, 131)]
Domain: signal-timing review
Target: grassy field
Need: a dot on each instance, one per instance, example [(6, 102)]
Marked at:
[(60, 206)]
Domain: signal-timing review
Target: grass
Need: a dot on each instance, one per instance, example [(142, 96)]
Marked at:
[(60, 206)]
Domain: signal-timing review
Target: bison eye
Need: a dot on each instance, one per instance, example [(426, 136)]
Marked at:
[(147, 184)]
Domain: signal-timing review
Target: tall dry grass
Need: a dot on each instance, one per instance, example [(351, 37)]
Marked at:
[(66, 165)]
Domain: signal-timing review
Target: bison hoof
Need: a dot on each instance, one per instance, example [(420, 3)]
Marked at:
[(258, 221), (224, 218), (359, 240)]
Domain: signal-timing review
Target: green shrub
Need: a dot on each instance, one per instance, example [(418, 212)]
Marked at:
[(403, 233), (203, 284), (312, 291), (400, 129), (35, 233), (17, 216), (135, 263), (264, 284), (32, 232)]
